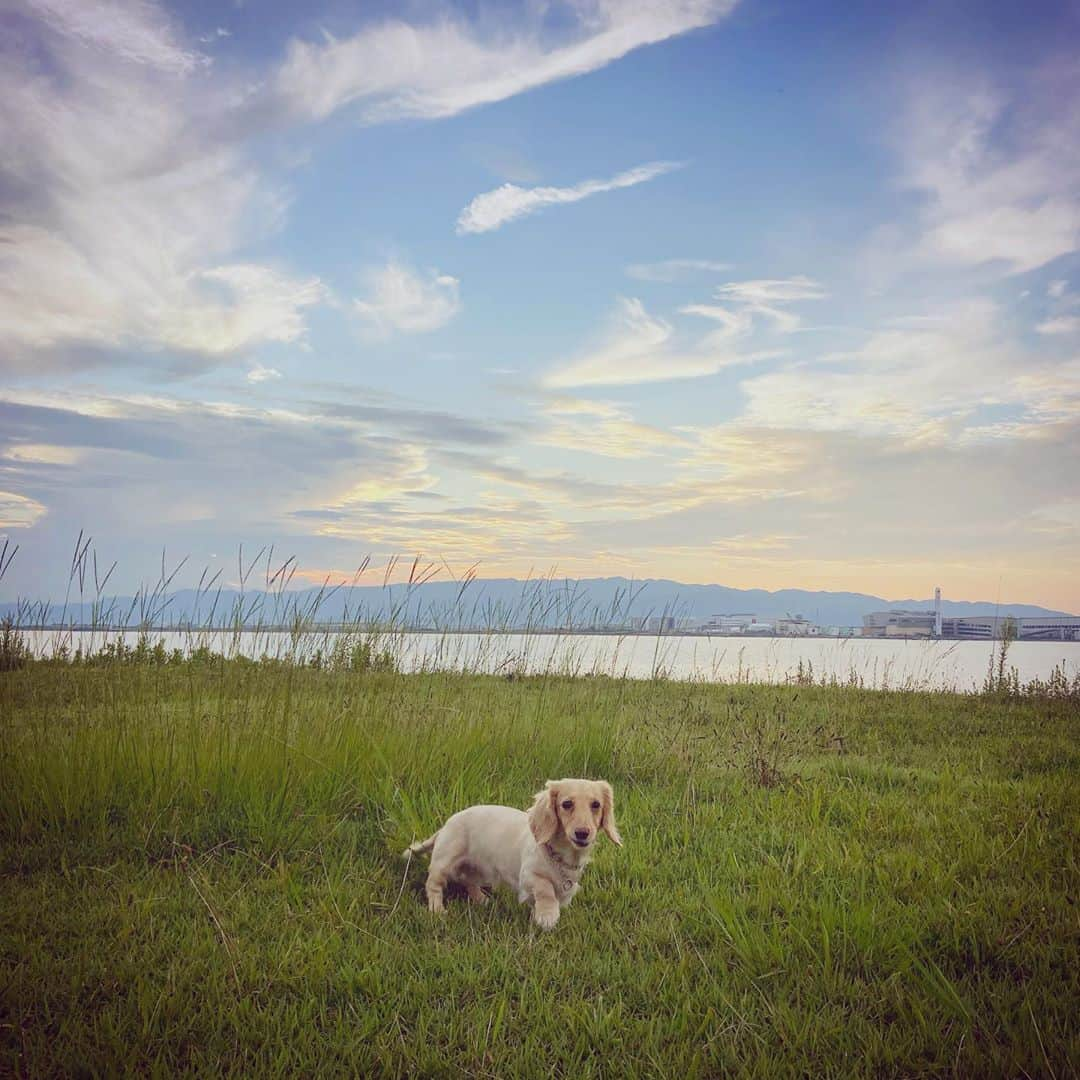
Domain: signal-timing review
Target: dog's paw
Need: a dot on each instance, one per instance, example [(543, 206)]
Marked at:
[(435, 905), (546, 920)]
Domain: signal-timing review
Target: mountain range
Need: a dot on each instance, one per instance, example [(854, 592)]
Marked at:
[(490, 603)]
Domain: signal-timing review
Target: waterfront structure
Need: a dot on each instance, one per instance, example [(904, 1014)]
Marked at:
[(909, 623), (797, 626), (899, 622), (995, 627), (736, 623)]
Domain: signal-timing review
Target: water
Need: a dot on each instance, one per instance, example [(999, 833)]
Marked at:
[(878, 663)]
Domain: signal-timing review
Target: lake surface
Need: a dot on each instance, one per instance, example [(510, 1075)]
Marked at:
[(879, 663)]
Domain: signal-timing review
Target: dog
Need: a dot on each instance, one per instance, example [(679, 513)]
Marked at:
[(541, 854)]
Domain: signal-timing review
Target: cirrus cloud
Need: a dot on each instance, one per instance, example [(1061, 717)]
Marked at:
[(640, 349), (1000, 168), (19, 511), (493, 209), (392, 69), (121, 213), (671, 269)]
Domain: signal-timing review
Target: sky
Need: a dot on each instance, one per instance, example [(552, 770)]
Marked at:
[(767, 294)]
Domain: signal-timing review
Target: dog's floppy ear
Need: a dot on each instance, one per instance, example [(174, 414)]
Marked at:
[(543, 820), (607, 813)]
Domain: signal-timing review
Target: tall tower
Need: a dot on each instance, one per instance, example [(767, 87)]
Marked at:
[(937, 612)]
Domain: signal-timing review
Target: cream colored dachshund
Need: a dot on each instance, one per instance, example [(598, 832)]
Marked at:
[(540, 854)]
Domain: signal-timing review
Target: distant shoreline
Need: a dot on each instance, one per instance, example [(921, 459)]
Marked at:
[(337, 628)]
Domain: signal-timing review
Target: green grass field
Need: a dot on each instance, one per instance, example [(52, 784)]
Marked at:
[(200, 872)]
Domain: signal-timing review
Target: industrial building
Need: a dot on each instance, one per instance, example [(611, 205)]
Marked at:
[(907, 623), (748, 623), (899, 623), (735, 623), (928, 622), (993, 627)]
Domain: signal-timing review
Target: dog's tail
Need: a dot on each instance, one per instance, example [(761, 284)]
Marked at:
[(421, 847)]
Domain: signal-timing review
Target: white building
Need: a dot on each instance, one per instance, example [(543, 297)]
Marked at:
[(907, 623), (995, 627), (900, 622), (729, 624)]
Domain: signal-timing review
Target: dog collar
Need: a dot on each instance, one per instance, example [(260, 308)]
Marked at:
[(555, 857), (567, 872)]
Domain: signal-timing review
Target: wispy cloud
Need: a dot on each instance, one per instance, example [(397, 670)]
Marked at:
[(187, 467), (825, 485), (126, 192), (1000, 168), (602, 428), (492, 526), (259, 374), (1060, 324), (772, 290), (759, 297), (400, 299), (1062, 317), (120, 213), (43, 454), (392, 69), (961, 377), (734, 322), (139, 33), (673, 269), (493, 209), (640, 349), (18, 511)]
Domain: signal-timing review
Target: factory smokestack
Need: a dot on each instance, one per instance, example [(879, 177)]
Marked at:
[(937, 612)]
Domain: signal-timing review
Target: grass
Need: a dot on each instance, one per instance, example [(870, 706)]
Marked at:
[(199, 872)]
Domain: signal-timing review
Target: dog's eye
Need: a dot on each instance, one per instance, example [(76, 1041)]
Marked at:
[(568, 804), (595, 805)]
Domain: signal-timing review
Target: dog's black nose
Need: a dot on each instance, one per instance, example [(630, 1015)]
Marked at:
[(581, 834)]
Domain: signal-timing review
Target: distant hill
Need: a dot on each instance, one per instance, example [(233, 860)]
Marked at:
[(502, 602)]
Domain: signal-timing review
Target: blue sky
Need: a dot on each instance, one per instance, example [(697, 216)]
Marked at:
[(766, 294)]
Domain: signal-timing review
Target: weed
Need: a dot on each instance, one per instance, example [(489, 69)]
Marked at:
[(763, 748), (14, 651)]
